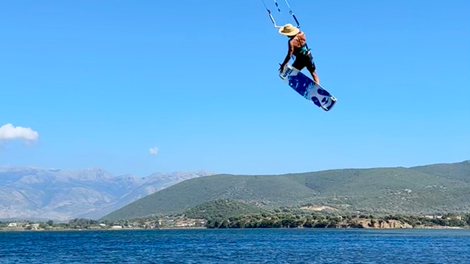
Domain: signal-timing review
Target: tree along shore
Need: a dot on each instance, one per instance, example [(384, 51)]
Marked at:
[(345, 221), (263, 220)]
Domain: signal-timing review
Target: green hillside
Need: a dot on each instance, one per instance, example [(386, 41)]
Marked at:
[(426, 189), (259, 190), (222, 208), (456, 171)]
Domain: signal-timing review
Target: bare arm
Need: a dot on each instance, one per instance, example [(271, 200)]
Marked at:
[(290, 50), (289, 53)]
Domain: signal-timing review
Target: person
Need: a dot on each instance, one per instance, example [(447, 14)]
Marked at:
[(297, 46)]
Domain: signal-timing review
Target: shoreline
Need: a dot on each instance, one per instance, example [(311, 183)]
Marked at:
[(251, 228)]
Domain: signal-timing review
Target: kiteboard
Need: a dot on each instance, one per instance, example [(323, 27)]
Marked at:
[(307, 88)]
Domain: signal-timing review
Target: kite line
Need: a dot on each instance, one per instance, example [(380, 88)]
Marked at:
[(279, 10)]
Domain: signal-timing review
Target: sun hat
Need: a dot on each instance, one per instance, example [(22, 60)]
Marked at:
[(288, 30)]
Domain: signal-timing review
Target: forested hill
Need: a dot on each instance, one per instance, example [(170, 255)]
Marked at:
[(436, 188)]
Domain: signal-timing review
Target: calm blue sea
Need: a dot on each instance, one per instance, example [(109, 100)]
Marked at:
[(238, 246)]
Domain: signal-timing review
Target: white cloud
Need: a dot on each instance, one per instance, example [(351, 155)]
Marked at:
[(153, 151), (9, 132)]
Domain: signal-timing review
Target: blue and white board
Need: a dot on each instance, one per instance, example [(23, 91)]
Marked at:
[(307, 88)]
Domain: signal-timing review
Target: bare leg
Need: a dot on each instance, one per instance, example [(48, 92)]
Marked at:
[(315, 76)]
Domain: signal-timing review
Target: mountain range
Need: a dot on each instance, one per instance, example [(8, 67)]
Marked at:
[(60, 195)]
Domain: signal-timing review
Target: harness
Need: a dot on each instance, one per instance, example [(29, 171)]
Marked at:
[(301, 51)]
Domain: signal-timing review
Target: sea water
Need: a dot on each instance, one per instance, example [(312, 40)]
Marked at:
[(238, 246)]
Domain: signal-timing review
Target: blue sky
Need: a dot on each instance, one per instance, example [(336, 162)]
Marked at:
[(103, 82)]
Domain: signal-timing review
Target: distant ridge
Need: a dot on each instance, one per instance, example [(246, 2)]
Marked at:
[(31, 193), (424, 189)]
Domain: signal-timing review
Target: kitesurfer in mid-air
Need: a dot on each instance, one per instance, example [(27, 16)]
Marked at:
[(298, 47)]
